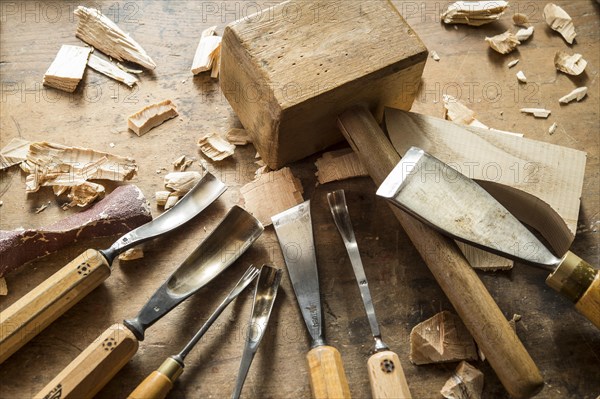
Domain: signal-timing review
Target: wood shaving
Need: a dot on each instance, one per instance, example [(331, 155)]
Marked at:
[(503, 43), (3, 287), (520, 19), (570, 64), (215, 147), (111, 70), (100, 32), (67, 69), (560, 21), (576, 94), (552, 128), (238, 136), (474, 13), (216, 62), (171, 201), (42, 208), (13, 153), (132, 254), (182, 182), (339, 165), (151, 116), (465, 383), (84, 194), (521, 77), (182, 163), (129, 70), (272, 193), (513, 63), (524, 34), (440, 339), (161, 197), (207, 51), (537, 112), (435, 55), (50, 164)]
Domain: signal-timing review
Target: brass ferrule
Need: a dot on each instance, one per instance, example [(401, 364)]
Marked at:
[(572, 277), (171, 369)]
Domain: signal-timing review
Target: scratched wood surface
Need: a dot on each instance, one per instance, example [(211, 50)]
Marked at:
[(564, 345)]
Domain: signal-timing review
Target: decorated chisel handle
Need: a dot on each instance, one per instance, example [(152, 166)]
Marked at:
[(94, 367), (158, 384), (31, 314), (327, 376), (580, 282), (387, 376)]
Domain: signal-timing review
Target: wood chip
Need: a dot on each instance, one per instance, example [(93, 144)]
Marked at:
[(151, 116), (521, 77), (474, 13), (215, 147), (465, 383), (182, 182), (272, 193), (537, 112), (3, 287), (42, 207), (435, 55), (111, 70), (67, 168), (161, 197), (560, 21), (524, 34), (216, 62), (84, 194), (570, 64), (182, 163), (552, 128), (576, 94), (132, 254), (208, 49), (171, 201), (513, 63), (119, 212), (238, 136), (13, 153), (442, 338), (520, 19), (67, 69), (100, 32), (503, 43), (339, 165)]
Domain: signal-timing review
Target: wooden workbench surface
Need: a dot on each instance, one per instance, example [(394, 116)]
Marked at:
[(564, 345)]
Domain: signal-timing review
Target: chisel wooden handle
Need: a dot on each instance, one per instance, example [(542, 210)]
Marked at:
[(387, 377), (580, 282), (27, 317), (158, 384), (327, 376), (94, 367), (472, 301)]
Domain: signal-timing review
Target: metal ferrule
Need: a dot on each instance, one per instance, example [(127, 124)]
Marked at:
[(572, 277), (171, 368), (379, 345)]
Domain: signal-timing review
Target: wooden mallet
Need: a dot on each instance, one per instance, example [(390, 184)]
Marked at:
[(296, 72)]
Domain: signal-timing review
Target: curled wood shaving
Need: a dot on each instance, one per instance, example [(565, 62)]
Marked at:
[(207, 52), (503, 43), (576, 94), (465, 383), (272, 193), (67, 69), (537, 112), (151, 116), (524, 34), (182, 182), (560, 21), (238, 136), (215, 147), (111, 70), (100, 32), (13, 153), (520, 19), (474, 13), (132, 254), (573, 64), (339, 165)]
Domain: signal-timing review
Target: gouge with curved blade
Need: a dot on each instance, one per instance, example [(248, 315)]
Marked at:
[(24, 319), (295, 234), (100, 361), (158, 384), (455, 205), (385, 371), (264, 298)]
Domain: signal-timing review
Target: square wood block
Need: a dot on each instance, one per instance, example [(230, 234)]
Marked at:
[(289, 70)]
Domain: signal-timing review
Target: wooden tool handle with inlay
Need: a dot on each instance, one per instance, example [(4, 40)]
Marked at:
[(95, 366), (580, 282), (327, 376), (478, 310), (31, 314), (387, 377)]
